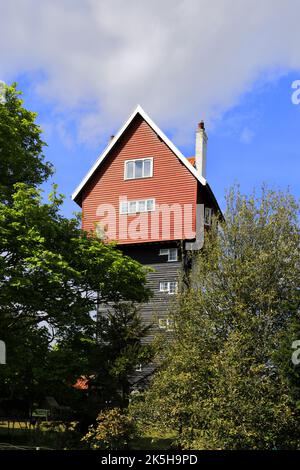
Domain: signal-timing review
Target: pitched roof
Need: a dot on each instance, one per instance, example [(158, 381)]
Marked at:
[(138, 110)]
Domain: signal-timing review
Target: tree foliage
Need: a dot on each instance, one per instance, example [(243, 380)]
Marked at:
[(50, 270), (220, 385), (114, 430), (21, 146), (53, 276), (122, 335)]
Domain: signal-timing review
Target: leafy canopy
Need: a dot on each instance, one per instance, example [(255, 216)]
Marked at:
[(221, 385), (53, 279), (21, 146)]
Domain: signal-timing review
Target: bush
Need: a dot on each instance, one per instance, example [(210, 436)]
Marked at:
[(113, 430)]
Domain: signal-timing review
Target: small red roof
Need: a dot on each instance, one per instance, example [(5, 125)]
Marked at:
[(191, 160)]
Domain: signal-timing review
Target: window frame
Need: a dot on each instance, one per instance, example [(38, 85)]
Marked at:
[(175, 287), (167, 251), (136, 202), (160, 286), (167, 291), (136, 160), (169, 255)]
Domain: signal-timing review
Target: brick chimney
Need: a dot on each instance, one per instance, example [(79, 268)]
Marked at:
[(200, 151)]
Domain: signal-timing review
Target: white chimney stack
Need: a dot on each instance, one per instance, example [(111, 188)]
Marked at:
[(200, 152)]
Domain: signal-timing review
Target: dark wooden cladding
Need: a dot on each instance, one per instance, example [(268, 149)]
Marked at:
[(159, 307), (148, 253), (162, 270)]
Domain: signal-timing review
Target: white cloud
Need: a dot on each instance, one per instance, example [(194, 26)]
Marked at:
[(182, 60)]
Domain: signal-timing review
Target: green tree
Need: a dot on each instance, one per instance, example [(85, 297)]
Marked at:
[(27, 352), (107, 359), (114, 430), (121, 338), (53, 276), (50, 271), (21, 147), (220, 384), (287, 358)]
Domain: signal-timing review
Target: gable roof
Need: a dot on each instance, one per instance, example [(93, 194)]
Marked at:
[(138, 110)]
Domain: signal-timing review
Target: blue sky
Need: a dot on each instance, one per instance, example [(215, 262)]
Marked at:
[(254, 142), (83, 66), (258, 141)]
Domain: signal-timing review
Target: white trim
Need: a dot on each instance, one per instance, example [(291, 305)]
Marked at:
[(168, 289), (154, 203), (169, 255), (136, 201), (166, 252), (136, 160), (175, 287), (175, 150), (162, 288)]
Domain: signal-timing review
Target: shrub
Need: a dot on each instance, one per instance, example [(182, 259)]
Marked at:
[(113, 430)]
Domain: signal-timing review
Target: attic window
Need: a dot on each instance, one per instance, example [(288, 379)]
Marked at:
[(139, 168)]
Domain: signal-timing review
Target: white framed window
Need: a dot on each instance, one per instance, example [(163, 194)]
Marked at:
[(150, 205), (164, 286), (166, 324), (132, 207), (138, 168), (138, 368), (170, 287), (171, 253), (141, 206), (207, 215)]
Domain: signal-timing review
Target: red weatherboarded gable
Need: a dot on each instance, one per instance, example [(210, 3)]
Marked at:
[(172, 183)]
